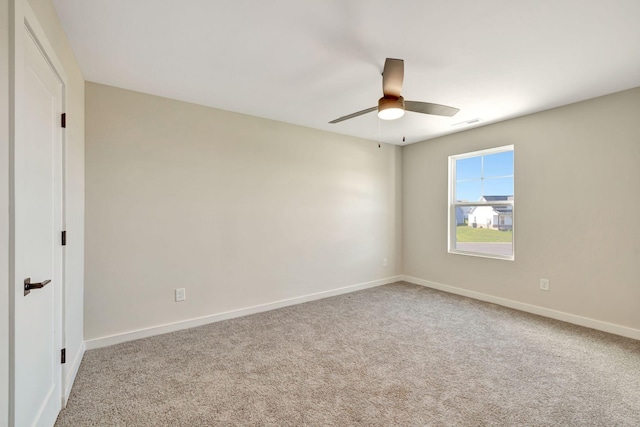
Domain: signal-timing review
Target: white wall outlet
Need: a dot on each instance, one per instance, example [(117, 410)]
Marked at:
[(385, 263), (181, 294), (544, 284)]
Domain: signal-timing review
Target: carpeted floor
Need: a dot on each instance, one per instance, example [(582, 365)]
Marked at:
[(398, 355)]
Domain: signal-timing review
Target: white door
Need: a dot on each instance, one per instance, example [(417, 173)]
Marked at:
[(38, 251)]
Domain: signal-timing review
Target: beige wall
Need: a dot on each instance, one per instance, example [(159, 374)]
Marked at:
[(576, 190), (74, 182), (238, 210)]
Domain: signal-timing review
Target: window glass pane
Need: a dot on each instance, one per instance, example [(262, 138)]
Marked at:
[(469, 168), (486, 230), (499, 164), (487, 177), (498, 187), (469, 191)]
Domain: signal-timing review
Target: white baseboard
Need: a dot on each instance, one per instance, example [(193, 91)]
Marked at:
[(72, 371), (547, 312), (191, 323)]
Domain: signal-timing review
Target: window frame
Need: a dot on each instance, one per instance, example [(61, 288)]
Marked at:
[(453, 204)]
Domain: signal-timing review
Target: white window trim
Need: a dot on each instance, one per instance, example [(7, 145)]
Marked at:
[(452, 205)]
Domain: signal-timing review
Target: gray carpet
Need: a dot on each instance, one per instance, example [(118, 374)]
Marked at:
[(394, 355)]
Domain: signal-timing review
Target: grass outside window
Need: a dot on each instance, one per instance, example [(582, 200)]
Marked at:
[(465, 233)]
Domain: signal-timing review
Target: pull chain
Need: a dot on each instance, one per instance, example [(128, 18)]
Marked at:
[(404, 128)]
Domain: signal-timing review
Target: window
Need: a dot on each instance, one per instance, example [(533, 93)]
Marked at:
[(481, 203)]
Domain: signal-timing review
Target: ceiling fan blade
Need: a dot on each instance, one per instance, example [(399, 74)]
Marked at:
[(428, 108), (392, 77), (351, 116)]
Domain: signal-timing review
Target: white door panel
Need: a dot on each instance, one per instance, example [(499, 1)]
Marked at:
[(38, 253)]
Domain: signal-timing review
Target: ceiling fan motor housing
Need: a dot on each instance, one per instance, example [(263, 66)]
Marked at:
[(390, 107)]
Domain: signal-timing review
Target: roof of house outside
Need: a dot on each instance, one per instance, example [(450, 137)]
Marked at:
[(496, 198), (464, 209), (504, 210)]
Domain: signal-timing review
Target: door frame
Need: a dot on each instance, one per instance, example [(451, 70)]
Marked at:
[(21, 16)]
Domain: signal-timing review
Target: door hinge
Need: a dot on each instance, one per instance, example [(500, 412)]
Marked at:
[(64, 238), (63, 120), (63, 355)]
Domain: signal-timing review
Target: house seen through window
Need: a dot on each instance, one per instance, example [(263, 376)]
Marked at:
[(481, 203)]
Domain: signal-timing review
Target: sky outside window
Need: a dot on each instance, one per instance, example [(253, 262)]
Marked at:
[(489, 175)]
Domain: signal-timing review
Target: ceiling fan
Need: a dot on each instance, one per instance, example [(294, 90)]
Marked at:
[(392, 105)]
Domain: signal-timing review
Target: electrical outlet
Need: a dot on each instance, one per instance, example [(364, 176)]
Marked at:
[(180, 294), (544, 284), (385, 263)]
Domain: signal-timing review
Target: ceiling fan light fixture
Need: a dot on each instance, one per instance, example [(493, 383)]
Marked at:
[(390, 108)]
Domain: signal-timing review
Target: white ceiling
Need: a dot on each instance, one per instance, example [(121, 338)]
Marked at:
[(307, 62)]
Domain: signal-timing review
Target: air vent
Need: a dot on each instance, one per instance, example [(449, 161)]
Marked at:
[(468, 122)]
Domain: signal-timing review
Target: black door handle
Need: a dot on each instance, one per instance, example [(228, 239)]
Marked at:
[(28, 285)]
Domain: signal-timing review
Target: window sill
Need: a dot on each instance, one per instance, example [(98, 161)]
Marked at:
[(482, 255)]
